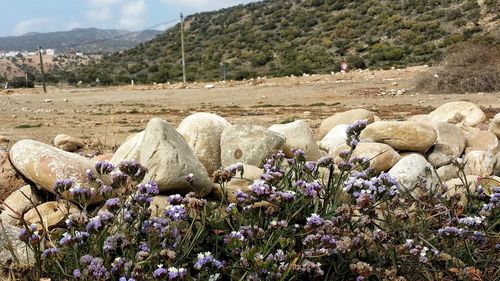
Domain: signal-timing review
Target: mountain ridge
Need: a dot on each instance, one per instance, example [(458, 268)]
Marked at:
[(87, 40)]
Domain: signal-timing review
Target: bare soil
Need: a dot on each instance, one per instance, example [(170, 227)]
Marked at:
[(105, 117)]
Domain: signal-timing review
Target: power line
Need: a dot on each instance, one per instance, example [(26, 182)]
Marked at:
[(122, 35)]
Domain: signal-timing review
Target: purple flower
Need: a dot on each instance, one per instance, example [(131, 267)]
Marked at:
[(298, 153), (260, 187), (311, 189), (241, 196), (472, 221), (62, 185), (230, 208), (113, 203), (175, 199), (325, 161), (160, 271), (310, 165), (104, 167), (315, 220), (176, 273), (106, 190), (176, 212), (94, 224), (77, 273), (133, 170), (235, 167), (451, 231), (97, 269), (118, 179), (49, 252), (206, 258)]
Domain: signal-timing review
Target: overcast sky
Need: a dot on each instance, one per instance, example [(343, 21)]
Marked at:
[(23, 16)]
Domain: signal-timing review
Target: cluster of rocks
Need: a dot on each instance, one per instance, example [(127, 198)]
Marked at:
[(415, 151)]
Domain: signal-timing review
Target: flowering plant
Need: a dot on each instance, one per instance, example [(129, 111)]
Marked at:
[(302, 220)]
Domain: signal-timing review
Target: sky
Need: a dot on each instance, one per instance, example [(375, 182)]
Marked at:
[(22, 16)]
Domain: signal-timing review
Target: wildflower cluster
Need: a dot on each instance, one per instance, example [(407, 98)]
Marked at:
[(301, 220)]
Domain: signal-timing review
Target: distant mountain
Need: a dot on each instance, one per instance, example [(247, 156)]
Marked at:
[(80, 40), (285, 37)]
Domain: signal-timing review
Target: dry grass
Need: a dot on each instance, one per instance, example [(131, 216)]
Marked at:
[(466, 69)]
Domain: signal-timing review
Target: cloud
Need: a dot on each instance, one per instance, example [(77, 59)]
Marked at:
[(133, 15), (100, 10), (201, 5), (30, 25)]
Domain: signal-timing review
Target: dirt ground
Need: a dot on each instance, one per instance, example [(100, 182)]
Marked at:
[(105, 117)]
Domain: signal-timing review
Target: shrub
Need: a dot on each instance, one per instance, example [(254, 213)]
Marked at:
[(467, 68), (302, 220)]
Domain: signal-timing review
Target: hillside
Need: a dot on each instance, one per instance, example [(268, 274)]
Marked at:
[(77, 40), (277, 38)]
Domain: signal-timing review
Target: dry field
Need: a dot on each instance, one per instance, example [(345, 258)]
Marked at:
[(105, 117)]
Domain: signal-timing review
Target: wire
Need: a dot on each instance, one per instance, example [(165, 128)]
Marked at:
[(122, 35)]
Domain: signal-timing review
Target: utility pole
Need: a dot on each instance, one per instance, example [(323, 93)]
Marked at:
[(41, 69), (182, 50)]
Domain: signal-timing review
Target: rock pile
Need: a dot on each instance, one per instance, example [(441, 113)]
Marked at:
[(416, 151)]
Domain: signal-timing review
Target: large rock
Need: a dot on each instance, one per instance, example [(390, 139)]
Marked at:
[(249, 144), (411, 169), (347, 118), (10, 179), (44, 164), (169, 160), (495, 125), (335, 138), (128, 150), (447, 172), (450, 144), (158, 205), (68, 143), (49, 214), (481, 140), (202, 132), (382, 157), (401, 135), (459, 112), (496, 168), (298, 135), (457, 187), (478, 162), (9, 240), (17, 203)]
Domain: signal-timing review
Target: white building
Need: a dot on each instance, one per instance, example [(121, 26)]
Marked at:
[(50, 52)]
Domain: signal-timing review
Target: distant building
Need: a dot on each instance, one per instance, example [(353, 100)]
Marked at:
[(50, 52)]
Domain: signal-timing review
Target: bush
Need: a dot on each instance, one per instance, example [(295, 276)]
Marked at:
[(467, 68), (303, 220)]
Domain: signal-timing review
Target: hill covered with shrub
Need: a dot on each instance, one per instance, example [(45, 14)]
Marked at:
[(278, 38)]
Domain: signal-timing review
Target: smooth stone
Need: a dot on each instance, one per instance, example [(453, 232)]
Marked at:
[(411, 169), (169, 159), (449, 145), (456, 186), (495, 125), (298, 135), (459, 112), (130, 149), (249, 144), (158, 205), (9, 239), (44, 164), (202, 132), (401, 135), (68, 143), (346, 118), (52, 214), (447, 172), (422, 118), (335, 138), (478, 162), (382, 157), (18, 203), (10, 178), (102, 158), (496, 168), (481, 140)]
